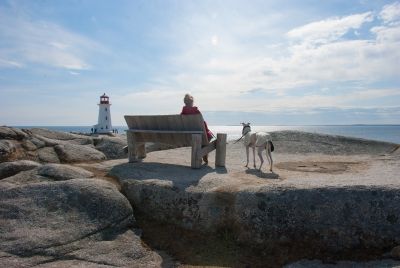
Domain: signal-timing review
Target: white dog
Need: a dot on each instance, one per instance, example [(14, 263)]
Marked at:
[(261, 140)]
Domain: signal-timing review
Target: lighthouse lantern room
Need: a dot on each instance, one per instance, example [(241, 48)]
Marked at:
[(104, 120)]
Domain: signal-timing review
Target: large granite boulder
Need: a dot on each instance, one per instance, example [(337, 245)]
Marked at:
[(10, 151), (46, 173), (70, 153), (37, 142), (112, 147), (317, 210), (74, 223), (50, 142), (322, 221), (28, 145), (48, 155), (12, 133), (63, 172), (61, 136), (8, 169)]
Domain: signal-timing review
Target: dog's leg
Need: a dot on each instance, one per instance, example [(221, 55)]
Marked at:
[(269, 156), (259, 150), (254, 156), (247, 155), (266, 153)]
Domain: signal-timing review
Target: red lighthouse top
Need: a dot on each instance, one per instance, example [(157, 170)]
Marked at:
[(104, 99)]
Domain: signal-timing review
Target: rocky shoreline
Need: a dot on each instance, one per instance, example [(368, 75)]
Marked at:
[(69, 200), (55, 214)]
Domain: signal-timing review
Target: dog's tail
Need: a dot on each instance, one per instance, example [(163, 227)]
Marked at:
[(272, 146)]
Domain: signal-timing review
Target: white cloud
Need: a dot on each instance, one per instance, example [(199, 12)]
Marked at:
[(387, 34), (391, 13), (25, 40), (352, 99), (330, 29), (362, 60), (214, 40), (10, 64), (151, 101)]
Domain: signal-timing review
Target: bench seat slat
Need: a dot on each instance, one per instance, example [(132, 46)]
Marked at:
[(155, 126), (165, 131)]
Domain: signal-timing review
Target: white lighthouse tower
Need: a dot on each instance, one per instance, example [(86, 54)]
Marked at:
[(104, 120)]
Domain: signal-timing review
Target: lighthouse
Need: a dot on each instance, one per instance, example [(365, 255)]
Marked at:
[(104, 120)]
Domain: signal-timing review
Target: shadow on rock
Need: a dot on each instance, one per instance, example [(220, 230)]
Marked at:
[(221, 170), (263, 175), (177, 176)]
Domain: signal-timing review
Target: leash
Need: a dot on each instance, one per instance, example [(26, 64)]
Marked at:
[(239, 139), (243, 134), (212, 134)]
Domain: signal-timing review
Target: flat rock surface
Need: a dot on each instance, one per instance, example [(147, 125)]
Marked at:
[(306, 170)]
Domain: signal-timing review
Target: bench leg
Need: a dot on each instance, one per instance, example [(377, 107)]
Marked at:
[(220, 152), (196, 150), (132, 155), (141, 150)]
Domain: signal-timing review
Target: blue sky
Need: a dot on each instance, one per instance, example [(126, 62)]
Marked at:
[(267, 62)]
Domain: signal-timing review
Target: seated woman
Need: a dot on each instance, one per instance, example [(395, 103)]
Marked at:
[(190, 109)]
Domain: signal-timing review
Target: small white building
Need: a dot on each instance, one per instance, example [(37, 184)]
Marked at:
[(104, 121)]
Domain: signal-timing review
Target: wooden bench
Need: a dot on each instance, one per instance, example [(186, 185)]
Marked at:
[(177, 130)]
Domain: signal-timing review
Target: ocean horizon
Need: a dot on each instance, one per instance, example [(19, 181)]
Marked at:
[(388, 133)]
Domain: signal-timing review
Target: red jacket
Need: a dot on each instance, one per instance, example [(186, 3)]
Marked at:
[(195, 110)]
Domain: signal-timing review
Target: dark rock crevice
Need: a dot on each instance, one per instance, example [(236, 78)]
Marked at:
[(82, 263)]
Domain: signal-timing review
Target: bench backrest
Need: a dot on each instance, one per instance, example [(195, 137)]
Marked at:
[(170, 129)]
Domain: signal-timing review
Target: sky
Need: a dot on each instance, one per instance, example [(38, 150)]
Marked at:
[(267, 62)]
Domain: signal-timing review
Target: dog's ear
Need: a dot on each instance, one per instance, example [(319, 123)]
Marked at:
[(248, 124), (242, 124)]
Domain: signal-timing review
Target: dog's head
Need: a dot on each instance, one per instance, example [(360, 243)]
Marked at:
[(246, 128)]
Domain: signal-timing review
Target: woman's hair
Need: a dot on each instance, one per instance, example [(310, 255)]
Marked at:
[(188, 100)]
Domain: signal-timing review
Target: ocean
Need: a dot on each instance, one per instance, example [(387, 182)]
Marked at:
[(389, 133)]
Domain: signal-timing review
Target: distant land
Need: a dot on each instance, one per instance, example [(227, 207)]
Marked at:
[(380, 132)]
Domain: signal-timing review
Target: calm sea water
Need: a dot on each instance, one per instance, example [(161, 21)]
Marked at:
[(390, 133)]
